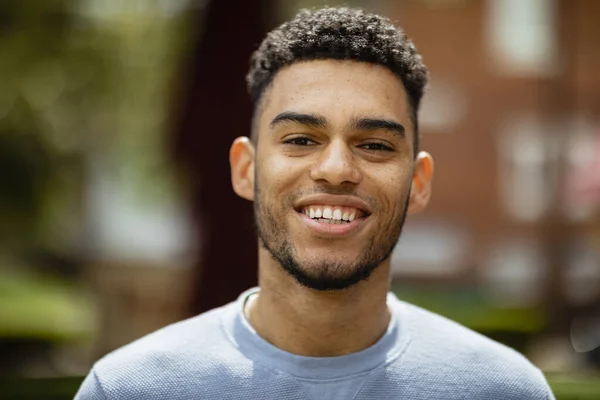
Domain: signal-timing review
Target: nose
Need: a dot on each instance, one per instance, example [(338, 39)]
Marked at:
[(336, 165)]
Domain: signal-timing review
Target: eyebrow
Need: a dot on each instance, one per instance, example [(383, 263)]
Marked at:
[(373, 124), (311, 120), (359, 124)]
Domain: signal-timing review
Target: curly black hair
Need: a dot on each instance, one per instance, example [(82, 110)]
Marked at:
[(341, 34)]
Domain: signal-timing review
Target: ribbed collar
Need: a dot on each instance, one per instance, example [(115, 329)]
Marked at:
[(388, 348)]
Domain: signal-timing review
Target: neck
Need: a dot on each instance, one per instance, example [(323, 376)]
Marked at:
[(314, 323)]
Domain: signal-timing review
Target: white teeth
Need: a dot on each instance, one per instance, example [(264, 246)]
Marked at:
[(331, 214), (337, 214)]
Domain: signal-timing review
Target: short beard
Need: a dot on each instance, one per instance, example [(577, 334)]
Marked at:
[(331, 276)]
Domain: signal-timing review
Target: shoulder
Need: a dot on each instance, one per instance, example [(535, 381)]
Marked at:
[(433, 332), (454, 353), (170, 359), (197, 334)]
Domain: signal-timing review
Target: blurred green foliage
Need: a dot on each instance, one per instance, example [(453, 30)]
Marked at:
[(54, 77), (467, 306), (82, 81), (586, 387), (43, 307)]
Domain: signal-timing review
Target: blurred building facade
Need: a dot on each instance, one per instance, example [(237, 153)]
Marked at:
[(511, 113)]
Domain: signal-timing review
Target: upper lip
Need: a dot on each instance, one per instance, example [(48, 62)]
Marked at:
[(333, 200)]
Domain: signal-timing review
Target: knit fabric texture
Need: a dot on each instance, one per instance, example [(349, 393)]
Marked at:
[(217, 355)]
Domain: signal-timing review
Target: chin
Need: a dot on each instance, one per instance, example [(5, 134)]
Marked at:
[(316, 259), (328, 274), (329, 283)]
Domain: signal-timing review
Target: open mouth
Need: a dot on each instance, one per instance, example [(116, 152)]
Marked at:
[(329, 214)]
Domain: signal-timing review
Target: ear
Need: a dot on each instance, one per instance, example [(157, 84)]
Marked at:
[(420, 191), (241, 161)]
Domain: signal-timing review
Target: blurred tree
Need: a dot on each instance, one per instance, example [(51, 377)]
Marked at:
[(52, 80)]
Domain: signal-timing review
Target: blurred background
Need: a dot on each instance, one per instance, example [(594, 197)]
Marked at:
[(116, 211)]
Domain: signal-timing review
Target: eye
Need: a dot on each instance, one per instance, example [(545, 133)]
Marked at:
[(376, 147), (300, 141)]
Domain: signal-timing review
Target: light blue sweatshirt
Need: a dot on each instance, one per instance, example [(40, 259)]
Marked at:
[(217, 355)]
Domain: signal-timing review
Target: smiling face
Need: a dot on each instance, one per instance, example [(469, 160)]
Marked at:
[(332, 171)]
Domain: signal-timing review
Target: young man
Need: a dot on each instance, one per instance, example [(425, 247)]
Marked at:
[(333, 168)]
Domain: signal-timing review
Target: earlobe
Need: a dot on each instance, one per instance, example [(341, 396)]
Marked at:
[(241, 161), (420, 192)]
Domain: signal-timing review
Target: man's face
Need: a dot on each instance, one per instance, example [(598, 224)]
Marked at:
[(333, 170)]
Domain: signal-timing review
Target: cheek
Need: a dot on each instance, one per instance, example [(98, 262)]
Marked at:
[(276, 180), (393, 185), (281, 171)]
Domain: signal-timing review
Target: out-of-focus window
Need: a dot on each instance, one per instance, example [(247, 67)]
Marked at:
[(521, 37), (527, 153)]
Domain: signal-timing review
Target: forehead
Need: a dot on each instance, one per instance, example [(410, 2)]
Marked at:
[(337, 90)]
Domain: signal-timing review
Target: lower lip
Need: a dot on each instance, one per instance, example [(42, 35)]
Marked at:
[(331, 229)]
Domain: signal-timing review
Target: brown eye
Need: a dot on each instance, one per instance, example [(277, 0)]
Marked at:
[(376, 147), (300, 141)]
